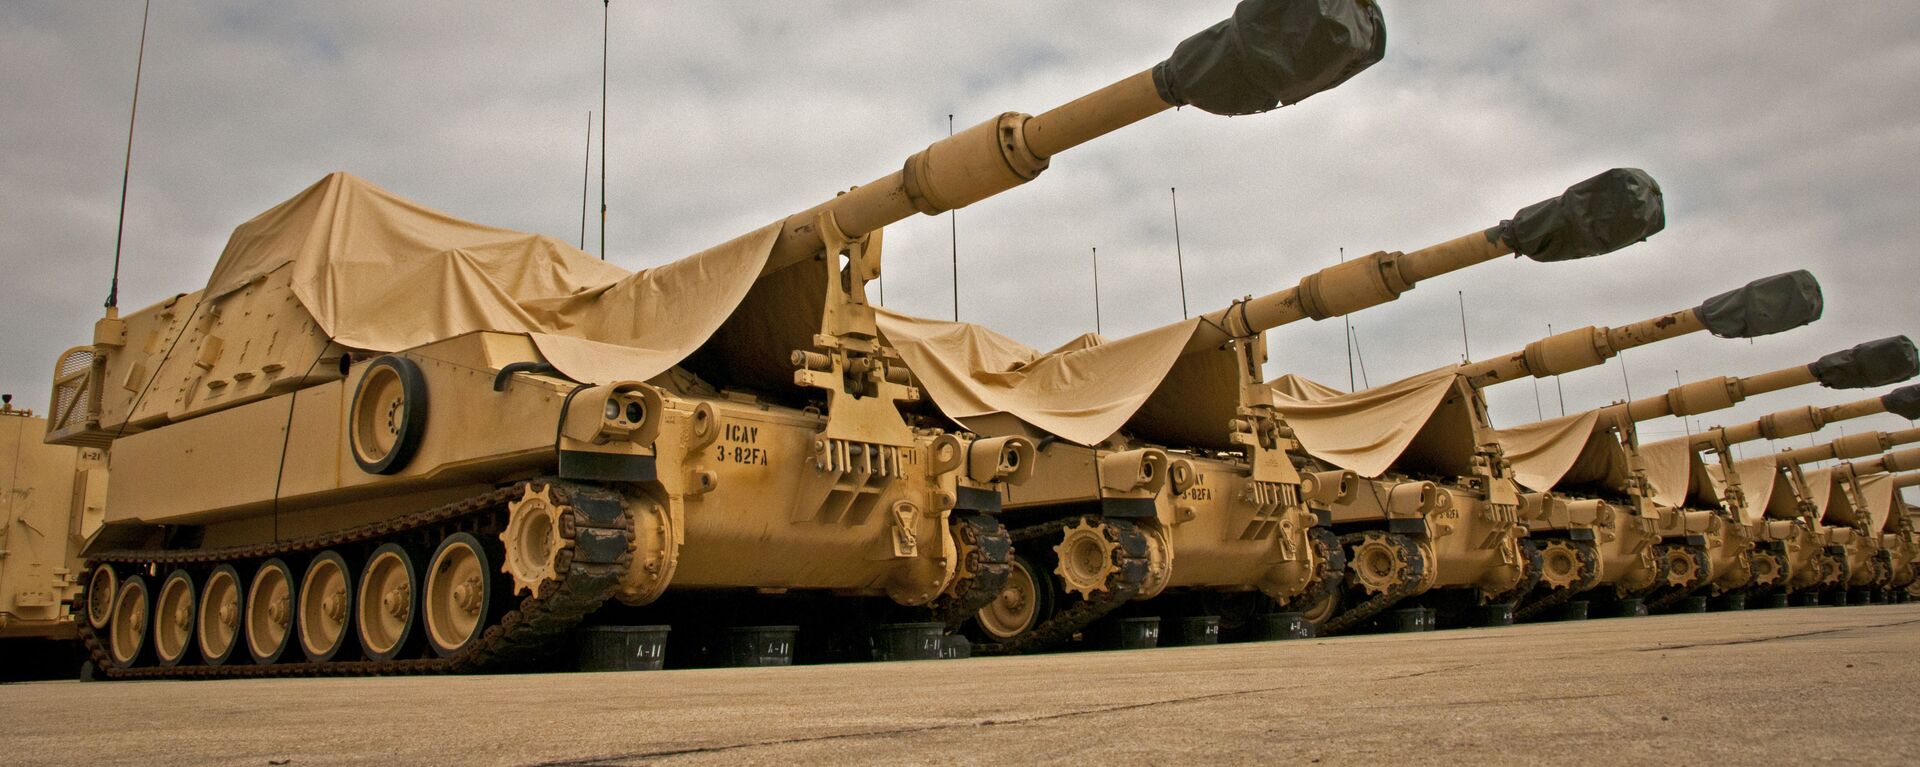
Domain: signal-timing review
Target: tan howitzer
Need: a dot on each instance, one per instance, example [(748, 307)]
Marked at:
[(297, 457), (1213, 522)]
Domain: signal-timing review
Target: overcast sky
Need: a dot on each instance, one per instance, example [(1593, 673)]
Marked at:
[(1784, 135)]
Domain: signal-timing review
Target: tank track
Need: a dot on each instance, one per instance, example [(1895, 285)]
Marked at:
[(1410, 583), (1329, 573), (592, 559), (1672, 596), (1589, 563), (1528, 580), (1130, 573), (987, 561)]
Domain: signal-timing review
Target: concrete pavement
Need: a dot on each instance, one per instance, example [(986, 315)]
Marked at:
[(1763, 686)]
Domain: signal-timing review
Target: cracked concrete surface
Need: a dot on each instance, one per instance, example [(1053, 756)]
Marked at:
[(1763, 686)]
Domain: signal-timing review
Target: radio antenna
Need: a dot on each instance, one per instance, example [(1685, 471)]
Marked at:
[(586, 177), (126, 170), (953, 225), (1179, 259), (606, 16), (1096, 291), (1466, 351), (1348, 322)]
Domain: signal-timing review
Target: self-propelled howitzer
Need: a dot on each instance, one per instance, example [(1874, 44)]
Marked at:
[(593, 434)]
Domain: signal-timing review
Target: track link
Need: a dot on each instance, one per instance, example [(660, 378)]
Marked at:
[(592, 559), (986, 561), (1672, 595)]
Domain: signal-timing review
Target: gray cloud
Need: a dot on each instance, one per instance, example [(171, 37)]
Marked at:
[(1783, 133)]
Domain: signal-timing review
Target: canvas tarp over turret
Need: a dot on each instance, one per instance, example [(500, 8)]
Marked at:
[(380, 273), (1083, 391), (1369, 431), (1581, 449), (1876, 494), (1763, 485), (1679, 474)]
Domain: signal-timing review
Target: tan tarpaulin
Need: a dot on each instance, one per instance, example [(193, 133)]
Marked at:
[(1543, 453), (1819, 490), (380, 273), (1300, 387), (1365, 431), (1669, 466), (1876, 492), (1084, 391), (1762, 486)]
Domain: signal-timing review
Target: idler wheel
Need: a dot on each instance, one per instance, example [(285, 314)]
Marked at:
[(1377, 564), (532, 538), (459, 595), (1024, 601), (1088, 554), (102, 587), (269, 612), (385, 613), (127, 629), (173, 616), (218, 625), (325, 606)]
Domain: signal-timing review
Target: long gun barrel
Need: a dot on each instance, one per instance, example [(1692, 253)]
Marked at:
[(1763, 307), (1907, 479), (1268, 54), (1594, 217), (1800, 421), (1860, 446), (1904, 460), (1874, 363)]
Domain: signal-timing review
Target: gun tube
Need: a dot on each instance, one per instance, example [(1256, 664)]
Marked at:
[(1269, 53), (1806, 419), (1874, 363), (1903, 460), (1762, 307), (1594, 217), (1854, 446)]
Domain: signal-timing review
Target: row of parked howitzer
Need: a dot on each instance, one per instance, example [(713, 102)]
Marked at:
[(384, 440)]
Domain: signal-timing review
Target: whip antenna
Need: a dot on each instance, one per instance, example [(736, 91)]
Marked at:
[(606, 14), (1179, 260), (1562, 393), (126, 170), (1348, 322), (1096, 290), (1466, 351), (586, 176), (953, 222)]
